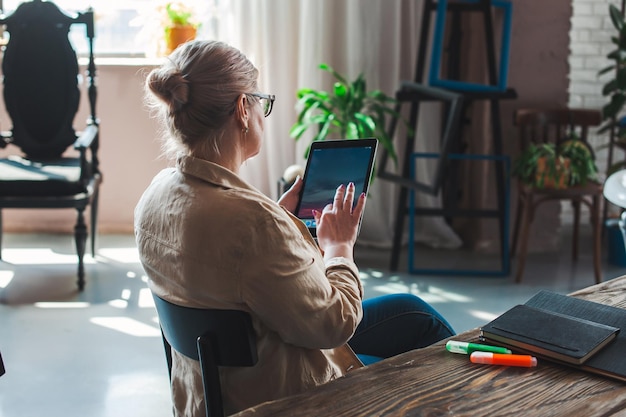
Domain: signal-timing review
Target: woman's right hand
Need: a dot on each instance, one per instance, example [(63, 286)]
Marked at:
[(338, 223)]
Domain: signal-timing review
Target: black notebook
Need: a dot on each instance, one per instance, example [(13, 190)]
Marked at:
[(609, 361), (549, 334)]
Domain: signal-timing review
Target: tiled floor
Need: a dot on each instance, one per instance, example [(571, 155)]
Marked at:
[(98, 353)]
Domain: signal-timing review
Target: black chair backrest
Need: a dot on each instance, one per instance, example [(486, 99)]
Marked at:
[(213, 337), (40, 71), (2, 371)]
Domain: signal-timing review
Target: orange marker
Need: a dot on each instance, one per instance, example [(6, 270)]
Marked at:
[(500, 359)]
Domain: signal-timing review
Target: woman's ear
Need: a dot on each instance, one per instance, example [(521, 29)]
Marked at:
[(241, 111)]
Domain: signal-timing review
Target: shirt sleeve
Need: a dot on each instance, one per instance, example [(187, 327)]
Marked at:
[(309, 303)]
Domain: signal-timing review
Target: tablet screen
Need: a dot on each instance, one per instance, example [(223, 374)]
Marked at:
[(330, 164)]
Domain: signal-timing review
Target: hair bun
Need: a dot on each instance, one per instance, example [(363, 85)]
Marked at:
[(170, 86)]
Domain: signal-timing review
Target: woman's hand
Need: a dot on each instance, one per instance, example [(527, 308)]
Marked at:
[(289, 200), (338, 223)]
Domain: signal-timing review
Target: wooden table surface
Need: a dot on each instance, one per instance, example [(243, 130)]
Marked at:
[(434, 382)]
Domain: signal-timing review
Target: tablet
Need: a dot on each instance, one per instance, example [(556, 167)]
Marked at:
[(330, 164)]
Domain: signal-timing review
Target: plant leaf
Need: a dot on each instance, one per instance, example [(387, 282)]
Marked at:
[(609, 87), (352, 131), (614, 106), (335, 74), (616, 17), (605, 70)]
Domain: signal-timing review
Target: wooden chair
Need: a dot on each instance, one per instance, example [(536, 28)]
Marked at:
[(213, 337), (553, 126), (41, 94)]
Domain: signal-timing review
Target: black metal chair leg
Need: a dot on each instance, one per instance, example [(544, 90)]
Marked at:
[(80, 236), (94, 222), (1, 234)]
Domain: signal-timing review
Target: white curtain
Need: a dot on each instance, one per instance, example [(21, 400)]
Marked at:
[(288, 39)]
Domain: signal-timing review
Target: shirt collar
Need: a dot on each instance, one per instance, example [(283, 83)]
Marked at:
[(210, 172)]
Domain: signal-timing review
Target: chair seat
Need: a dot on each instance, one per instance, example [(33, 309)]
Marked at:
[(20, 177)]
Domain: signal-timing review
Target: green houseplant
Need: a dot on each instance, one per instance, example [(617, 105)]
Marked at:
[(547, 165), (348, 112)]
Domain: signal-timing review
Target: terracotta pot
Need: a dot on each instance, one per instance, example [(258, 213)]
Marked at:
[(177, 35), (558, 181)]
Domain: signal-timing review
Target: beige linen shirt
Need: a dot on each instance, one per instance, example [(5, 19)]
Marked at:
[(206, 238)]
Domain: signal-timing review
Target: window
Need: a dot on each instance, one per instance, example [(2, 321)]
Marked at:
[(121, 25)]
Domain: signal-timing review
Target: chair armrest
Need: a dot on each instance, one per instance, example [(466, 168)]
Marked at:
[(6, 137), (86, 137)]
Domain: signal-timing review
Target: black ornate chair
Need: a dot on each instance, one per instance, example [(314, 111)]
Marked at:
[(41, 94), (213, 337)]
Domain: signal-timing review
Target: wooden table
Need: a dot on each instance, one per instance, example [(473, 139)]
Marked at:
[(434, 382)]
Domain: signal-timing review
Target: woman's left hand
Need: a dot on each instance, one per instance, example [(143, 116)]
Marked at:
[(289, 200)]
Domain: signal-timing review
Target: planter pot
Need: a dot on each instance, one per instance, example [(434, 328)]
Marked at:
[(554, 180), (177, 35), (616, 239)]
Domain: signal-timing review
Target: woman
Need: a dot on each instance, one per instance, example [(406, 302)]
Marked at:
[(208, 239)]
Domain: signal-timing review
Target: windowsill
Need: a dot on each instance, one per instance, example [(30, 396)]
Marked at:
[(124, 61)]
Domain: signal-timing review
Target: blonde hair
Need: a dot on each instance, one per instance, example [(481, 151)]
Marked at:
[(194, 92)]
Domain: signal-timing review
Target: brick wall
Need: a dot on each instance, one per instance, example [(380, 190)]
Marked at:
[(590, 42)]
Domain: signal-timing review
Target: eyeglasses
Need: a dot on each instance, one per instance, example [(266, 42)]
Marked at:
[(267, 101)]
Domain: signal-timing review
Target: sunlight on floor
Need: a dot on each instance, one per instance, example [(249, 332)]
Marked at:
[(395, 284), (122, 255), (483, 315), (63, 304), (144, 299), (5, 278), (40, 256), (46, 256), (432, 296), (118, 303), (127, 326)]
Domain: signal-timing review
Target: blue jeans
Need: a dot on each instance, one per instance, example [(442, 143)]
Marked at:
[(396, 323)]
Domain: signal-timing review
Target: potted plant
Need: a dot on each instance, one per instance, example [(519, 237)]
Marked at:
[(559, 166), (348, 112), (180, 25)]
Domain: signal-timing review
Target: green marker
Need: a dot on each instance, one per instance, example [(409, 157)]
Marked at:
[(468, 348)]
